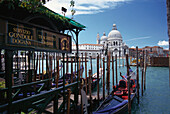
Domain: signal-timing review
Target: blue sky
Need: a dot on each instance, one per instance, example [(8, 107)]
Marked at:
[(141, 22)]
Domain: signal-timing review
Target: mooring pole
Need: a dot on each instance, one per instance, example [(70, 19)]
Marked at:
[(168, 23), (58, 72), (43, 66), (91, 64), (142, 72), (113, 70), (64, 101), (54, 64), (137, 73), (116, 69), (107, 86), (89, 83), (34, 69), (98, 79), (71, 70), (145, 65), (39, 65), (8, 77), (68, 101), (82, 65), (67, 64), (86, 71), (128, 77), (103, 78)]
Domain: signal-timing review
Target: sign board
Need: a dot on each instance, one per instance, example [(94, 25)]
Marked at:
[(25, 36)]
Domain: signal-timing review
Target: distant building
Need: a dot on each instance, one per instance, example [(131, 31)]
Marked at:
[(132, 52), (91, 49), (155, 51)]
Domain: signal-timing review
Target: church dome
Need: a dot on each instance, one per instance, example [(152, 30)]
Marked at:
[(114, 34), (104, 37)]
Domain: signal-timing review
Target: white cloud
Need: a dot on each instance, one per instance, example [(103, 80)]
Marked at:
[(133, 47), (84, 6), (163, 43)]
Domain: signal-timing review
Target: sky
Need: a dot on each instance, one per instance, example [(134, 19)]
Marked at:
[(140, 22)]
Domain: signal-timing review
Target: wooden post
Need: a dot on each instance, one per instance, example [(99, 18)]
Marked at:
[(145, 66), (128, 77), (39, 65), (91, 64), (35, 72), (108, 73), (98, 79), (103, 78), (67, 65), (34, 68), (79, 69), (168, 23), (43, 66), (142, 73), (81, 99), (86, 71), (57, 58), (142, 82), (119, 58), (54, 65), (113, 70), (100, 61), (63, 54), (116, 69), (89, 83), (51, 64), (75, 63), (123, 61), (8, 78), (68, 101), (71, 70), (26, 62), (137, 73), (82, 65)]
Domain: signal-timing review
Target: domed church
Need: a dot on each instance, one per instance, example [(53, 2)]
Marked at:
[(113, 43)]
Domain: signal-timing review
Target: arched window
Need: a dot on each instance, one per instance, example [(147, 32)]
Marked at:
[(114, 43)]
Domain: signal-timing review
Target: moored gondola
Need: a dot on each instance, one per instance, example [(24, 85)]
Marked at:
[(117, 101)]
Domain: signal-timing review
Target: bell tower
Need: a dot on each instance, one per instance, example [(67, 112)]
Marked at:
[(98, 38)]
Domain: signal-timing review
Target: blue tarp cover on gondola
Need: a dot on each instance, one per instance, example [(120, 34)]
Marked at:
[(111, 109)]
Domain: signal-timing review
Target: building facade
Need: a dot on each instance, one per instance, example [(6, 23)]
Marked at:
[(113, 42)]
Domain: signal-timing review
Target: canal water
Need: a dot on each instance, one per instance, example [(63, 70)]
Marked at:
[(156, 97)]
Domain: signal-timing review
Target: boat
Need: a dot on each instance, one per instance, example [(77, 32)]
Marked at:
[(117, 101), (94, 79)]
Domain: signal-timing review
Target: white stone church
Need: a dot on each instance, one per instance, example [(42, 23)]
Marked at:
[(112, 43)]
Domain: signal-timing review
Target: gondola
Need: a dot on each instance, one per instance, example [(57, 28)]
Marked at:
[(117, 101)]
